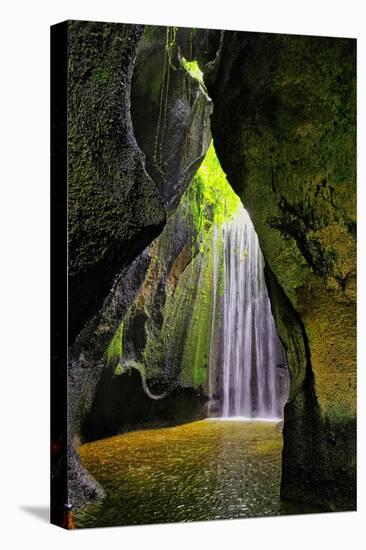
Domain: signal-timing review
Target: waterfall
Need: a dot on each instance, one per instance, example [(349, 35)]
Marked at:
[(215, 274), (250, 346)]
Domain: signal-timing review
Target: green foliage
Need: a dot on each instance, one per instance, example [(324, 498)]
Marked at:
[(216, 189), (183, 341), (118, 370)]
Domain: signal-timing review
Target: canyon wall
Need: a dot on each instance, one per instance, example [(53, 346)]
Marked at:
[(282, 114), (284, 129)]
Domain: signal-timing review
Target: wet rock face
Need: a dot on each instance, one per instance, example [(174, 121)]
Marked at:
[(147, 384), (283, 126), (115, 209), (144, 338), (87, 366), (170, 110), (284, 129)]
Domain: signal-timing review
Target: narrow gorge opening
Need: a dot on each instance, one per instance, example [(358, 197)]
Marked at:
[(176, 376), (247, 374), (195, 364), (199, 373), (216, 334), (202, 319)]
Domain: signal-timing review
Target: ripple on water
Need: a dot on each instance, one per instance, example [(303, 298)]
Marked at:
[(204, 470)]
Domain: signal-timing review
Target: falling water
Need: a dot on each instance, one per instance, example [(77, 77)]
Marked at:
[(251, 349), (214, 302)]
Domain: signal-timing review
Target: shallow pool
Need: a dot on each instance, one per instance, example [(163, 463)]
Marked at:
[(204, 470)]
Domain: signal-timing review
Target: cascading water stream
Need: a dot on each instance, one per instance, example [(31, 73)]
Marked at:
[(250, 347)]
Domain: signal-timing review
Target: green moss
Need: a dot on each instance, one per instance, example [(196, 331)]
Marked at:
[(100, 74), (208, 202), (154, 355), (212, 200), (287, 132), (115, 348), (177, 350), (197, 344), (193, 69), (110, 197), (119, 370)]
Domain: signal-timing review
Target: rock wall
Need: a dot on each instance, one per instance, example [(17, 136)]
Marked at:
[(171, 102), (284, 129), (142, 384), (165, 335), (115, 210), (283, 125)]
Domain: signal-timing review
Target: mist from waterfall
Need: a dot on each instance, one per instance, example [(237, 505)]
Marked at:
[(246, 371)]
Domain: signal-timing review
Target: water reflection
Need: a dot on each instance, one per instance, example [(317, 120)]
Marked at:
[(199, 471)]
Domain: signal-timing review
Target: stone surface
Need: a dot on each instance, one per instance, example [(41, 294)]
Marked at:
[(170, 111), (284, 130), (283, 125), (115, 209), (155, 376)]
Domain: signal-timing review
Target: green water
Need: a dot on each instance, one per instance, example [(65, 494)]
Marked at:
[(204, 470)]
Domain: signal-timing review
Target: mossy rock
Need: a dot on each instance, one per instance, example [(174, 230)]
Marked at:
[(114, 208), (284, 130)]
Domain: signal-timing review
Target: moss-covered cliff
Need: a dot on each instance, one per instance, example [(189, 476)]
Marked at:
[(283, 121), (115, 209), (165, 335), (170, 100), (284, 127)]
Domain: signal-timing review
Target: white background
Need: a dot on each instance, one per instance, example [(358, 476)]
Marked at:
[(24, 219)]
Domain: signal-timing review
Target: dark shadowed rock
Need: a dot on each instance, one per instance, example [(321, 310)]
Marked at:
[(115, 209), (284, 130), (170, 111)]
